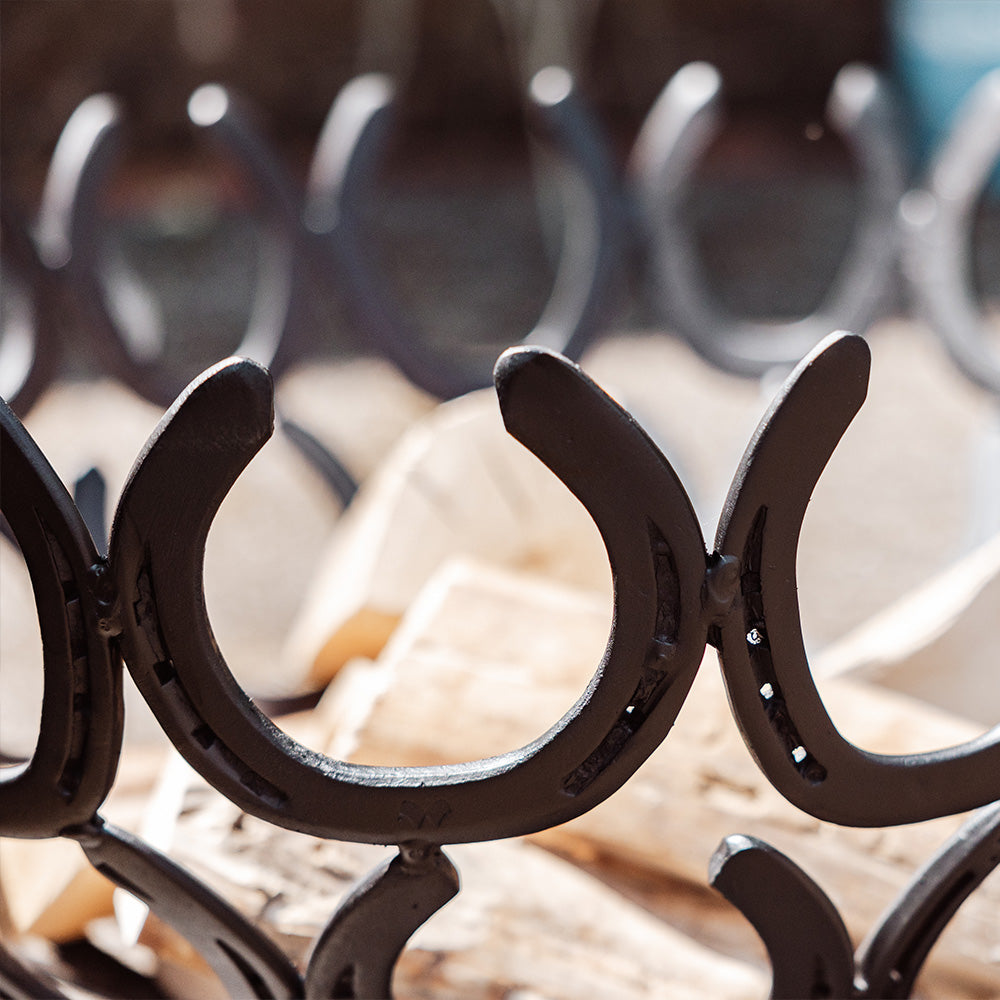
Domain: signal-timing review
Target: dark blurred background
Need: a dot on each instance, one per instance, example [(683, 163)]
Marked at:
[(778, 59), (456, 220)]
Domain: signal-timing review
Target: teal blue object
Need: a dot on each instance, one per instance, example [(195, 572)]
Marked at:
[(940, 49)]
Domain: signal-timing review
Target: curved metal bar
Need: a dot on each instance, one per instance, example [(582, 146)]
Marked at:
[(276, 332), (19, 982), (29, 345), (248, 963), (771, 691), (678, 129), (355, 955), (664, 596), (68, 222), (74, 762), (591, 241), (891, 957), (807, 943), (936, 220)]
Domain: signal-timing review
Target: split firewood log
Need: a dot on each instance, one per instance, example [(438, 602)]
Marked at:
[(486, 660), (525, 924), (455, 483)]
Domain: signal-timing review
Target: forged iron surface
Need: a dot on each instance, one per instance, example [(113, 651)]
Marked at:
[(671, 598)]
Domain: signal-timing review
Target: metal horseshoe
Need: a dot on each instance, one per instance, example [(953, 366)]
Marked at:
[(59, 791), (128, 340), (66, 232), (807, 943), (771, 691), (76, 757), (936, 220), (591, 243), (115, 309), (665, 591), (678, 129), (28, 343)]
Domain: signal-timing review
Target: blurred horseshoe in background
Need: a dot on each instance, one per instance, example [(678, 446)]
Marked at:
[(677, 131)]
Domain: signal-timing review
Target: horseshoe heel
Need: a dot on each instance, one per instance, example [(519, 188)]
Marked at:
[(807, 943), (677, 131), (937, 220), (659, 567), (355, 955), (74, 762), (28, 345), (67, 232), (276, 332), (771, 691), (891, 958), (585, 274), (248, 963)]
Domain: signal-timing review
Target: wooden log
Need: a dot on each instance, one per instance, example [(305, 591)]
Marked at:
[(455, 484), (485, 661), (526, 924)]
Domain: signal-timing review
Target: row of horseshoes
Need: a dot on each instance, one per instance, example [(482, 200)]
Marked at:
[(144, 602), (317, 235)]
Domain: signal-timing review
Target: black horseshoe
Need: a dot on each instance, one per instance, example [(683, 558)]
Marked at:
[(677, 130), (356, 953), (29, 344), (69, 220), (591, 243), (891, 957), (664, 594), (807, 943), (248, 963), (67, 223), (59, 791), (74, 762), (936, 219), (771, 691)]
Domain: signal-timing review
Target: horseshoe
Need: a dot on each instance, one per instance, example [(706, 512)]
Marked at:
[(807, 944), (84, 156), (126, 338), (676, 133), (59, 791), (356, 953), (936, 220), (666, 590), (74, 762), (771, 691), (29, 344), (583, 282), (245, 959), (891, 957)]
